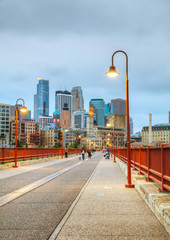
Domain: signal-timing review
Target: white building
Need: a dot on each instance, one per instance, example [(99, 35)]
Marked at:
[(45, 120), (62, 98)]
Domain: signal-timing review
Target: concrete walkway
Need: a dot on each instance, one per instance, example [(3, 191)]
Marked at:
[(108, 210), (5, 173)]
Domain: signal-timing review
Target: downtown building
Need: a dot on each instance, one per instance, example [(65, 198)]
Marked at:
[(4, 125), (61, 99), (160, 133), (77, 99), (118, 107), (99, 111), (106, 134), (108, 111), (21, 115), (118, 121), (45, 121), (28, 132), (41, 99), (79, 119), (47, 137), (65, 117)]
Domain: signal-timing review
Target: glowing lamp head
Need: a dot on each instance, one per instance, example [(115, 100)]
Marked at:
[(23, 109), (112, 72)]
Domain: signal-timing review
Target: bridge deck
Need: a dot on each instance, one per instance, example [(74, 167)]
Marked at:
[(108, 210), (100, 206)]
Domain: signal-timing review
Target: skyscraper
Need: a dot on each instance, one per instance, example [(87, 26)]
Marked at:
[(62, 98), (41, 99), (119, 106), (99, 109), (77, 99)]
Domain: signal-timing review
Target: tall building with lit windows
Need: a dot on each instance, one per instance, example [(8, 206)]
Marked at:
[(41, 99)]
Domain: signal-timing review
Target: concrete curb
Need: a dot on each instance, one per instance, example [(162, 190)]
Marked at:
[(158, 202)]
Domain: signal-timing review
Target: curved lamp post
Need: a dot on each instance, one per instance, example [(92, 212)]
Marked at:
[(23, 109), (113, 73)]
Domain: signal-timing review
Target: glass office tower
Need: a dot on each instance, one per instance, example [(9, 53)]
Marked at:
[(41, 99), (99, 110)]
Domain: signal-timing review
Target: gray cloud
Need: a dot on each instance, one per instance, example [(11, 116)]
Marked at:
[(71, 43), (56, 17)]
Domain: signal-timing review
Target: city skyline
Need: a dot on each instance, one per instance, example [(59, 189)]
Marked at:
[(78, 52)]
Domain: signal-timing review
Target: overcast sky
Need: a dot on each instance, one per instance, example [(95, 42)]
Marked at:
[(71, 43)]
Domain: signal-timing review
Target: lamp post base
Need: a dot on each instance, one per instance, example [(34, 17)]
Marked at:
[(15, 166), (129, 185)]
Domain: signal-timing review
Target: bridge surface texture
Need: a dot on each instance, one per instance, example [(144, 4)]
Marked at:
[(104, 210)]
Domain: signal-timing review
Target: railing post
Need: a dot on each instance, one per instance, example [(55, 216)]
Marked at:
[(3, 155), (37, 153), (139, 160), (62, 152), (162, 168), (134, 158), (24, 153), (31, 154)]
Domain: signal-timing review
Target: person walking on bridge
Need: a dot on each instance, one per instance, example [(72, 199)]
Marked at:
[(83, 153)]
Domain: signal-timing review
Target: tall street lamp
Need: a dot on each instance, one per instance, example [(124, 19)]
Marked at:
[(23, 109), (113, 73)]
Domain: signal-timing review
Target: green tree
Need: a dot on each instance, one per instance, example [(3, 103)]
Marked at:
[(41, 146), (57, 145), (20, 144)]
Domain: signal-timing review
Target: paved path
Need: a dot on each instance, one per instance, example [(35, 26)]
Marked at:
[(107, 210), (5, 173), (35, 215)]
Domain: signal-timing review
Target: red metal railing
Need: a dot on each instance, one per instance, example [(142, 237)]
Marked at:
[(8, 154), (154, 162)]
